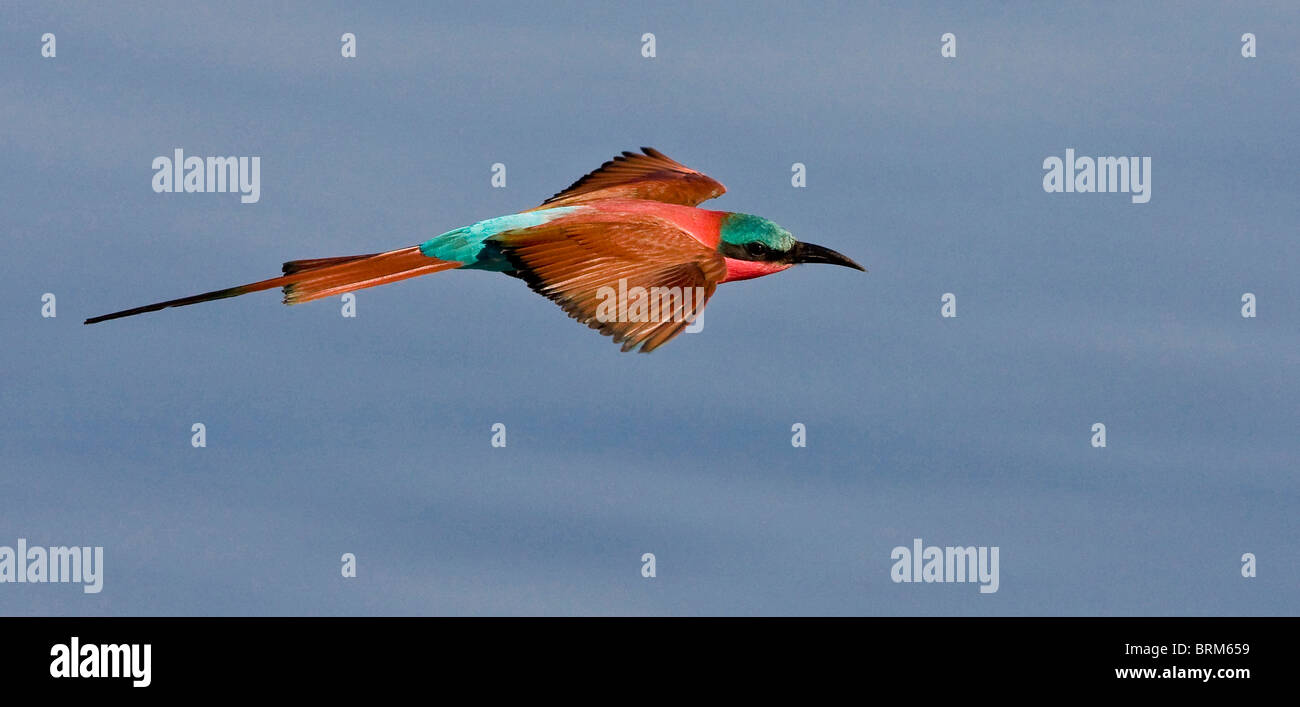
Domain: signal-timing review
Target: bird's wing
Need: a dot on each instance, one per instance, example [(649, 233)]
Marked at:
[(653, 176), (591, 269)]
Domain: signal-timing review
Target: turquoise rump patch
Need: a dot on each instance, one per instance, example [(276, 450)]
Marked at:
[(468, 244)]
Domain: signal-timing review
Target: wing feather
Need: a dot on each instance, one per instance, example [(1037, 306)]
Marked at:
[(579, 265), (653, 176)]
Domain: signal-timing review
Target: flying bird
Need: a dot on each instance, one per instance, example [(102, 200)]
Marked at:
[(623, 234)]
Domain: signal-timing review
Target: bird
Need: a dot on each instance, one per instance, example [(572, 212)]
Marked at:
[(609, 249)]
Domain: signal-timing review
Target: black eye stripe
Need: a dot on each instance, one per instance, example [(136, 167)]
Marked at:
[(753, 250)]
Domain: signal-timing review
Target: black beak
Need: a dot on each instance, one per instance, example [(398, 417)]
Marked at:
[(811, 253)]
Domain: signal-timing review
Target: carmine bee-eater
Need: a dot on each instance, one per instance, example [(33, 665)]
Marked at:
[(623, 250)]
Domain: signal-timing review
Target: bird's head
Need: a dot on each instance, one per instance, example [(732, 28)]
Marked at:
[(755, 246)]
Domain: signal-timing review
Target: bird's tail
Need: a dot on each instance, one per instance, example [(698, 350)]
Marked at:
[(307, 280)]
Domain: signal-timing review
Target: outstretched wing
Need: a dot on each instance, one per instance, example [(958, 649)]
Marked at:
[(593, 269), (652, 176)]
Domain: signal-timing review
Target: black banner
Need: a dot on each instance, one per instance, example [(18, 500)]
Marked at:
[(195, 655)]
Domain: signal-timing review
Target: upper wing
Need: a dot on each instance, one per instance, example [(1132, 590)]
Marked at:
[(591, 269), (652, 176)]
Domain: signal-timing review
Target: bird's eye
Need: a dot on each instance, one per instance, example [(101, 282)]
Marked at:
[(756, 249)]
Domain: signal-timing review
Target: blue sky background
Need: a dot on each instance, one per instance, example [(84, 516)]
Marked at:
[(371, 435)]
